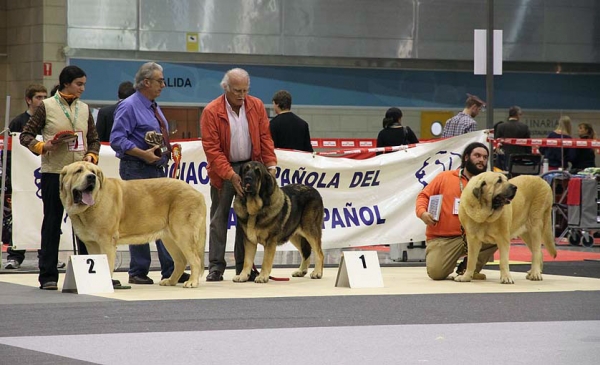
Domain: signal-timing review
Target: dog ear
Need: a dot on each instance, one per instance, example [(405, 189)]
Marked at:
[(61, 178), (267, 186), (478, 190), (99, 176)]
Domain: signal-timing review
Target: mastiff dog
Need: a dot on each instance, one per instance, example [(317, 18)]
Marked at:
[(271, 216), (106, 212), (494, 209)]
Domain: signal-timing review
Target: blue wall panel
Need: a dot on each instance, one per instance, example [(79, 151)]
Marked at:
[(319, 86)]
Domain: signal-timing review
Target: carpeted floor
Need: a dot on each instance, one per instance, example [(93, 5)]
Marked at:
[(412, 320)]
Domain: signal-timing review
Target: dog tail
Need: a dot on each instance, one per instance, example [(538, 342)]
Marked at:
[(305, 248), (548, 235)]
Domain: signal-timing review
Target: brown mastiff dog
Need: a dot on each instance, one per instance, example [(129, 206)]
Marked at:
[(107, 212), (493, 210)]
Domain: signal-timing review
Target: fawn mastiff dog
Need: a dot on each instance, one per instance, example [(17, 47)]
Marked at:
[(106, 212), (494, 209), (271, 216)]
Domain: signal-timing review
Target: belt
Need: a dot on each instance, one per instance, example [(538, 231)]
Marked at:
[(140, 162), (239, 162)]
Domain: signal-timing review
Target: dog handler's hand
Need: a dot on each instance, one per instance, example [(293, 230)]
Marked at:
[(236, 181), (427, 218), (48, 146), (150, 157)]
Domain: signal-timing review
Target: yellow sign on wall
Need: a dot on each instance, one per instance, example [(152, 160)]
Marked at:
[(192, 41), (432, 124)]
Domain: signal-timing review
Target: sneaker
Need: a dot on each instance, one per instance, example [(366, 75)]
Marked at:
[(60, 265), (12, 264)]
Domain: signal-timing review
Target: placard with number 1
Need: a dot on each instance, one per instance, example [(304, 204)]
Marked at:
[(359, 269)]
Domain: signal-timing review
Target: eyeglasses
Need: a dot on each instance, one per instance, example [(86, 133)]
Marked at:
[(239, 91), (160, 81)]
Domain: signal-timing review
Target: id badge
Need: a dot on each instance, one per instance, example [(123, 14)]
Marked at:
[(456, 203), (76, 145)]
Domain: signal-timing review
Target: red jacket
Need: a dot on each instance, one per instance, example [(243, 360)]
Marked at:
[(216, 137)]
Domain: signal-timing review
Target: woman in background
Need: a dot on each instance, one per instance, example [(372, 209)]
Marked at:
[(584, 157), (393, 133), (556, 159)]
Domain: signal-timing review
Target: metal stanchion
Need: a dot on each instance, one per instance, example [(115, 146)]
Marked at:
[(4, 159)]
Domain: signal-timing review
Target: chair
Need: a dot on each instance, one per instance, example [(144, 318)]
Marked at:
[(524, 164)]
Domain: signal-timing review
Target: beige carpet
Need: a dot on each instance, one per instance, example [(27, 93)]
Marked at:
[(397, 280)]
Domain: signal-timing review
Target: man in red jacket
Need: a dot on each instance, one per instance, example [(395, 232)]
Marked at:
[(235, 129)]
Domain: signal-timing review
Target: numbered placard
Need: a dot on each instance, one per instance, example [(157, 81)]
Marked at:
[(87, 274), (359, 269)]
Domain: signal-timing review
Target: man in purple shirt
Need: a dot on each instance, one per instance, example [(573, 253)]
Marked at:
[(134, 118)]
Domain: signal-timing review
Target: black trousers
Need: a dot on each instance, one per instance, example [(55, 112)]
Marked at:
[(220, 210), (53, 213)]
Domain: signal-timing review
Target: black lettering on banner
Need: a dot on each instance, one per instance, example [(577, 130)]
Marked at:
[(91, 269)]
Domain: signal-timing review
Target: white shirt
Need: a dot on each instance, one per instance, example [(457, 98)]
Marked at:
[(240, 144)]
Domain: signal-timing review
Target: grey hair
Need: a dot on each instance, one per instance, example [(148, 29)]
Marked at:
[(239, 72), (145, 72)]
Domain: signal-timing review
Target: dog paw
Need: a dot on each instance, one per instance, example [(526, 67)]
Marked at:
[(534, 276), (316, 274), (299, 273), (167, 282), (241, 278), (462, 278), (190, 284), (507, 280), (479, 276), (261, 279)]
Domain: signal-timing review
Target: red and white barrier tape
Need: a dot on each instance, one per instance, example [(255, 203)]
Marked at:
[(550, 142)]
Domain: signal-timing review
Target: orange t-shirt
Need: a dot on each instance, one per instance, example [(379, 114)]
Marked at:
[(447, 184)]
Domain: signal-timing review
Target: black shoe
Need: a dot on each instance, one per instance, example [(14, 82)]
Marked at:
[(49, 285), (214, 276), (462, 267), (140, 279), (117, 285), (253, 275), (182, 279)]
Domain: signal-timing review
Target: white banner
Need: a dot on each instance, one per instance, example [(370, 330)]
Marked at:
[(367, 202)]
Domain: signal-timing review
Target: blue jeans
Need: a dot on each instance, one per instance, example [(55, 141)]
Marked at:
[(140, 254)]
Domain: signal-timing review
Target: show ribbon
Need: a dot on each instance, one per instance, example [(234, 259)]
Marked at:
[(176, 153)]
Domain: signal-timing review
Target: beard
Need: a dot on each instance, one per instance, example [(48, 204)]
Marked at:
[(473, 169)]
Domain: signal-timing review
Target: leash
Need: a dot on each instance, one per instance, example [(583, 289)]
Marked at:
[(270, 277)]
